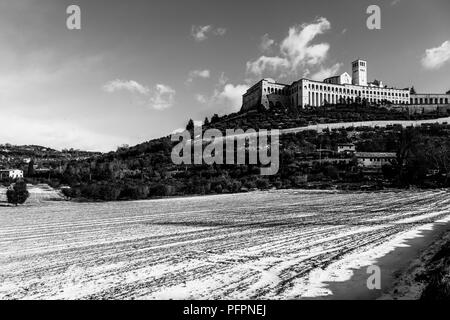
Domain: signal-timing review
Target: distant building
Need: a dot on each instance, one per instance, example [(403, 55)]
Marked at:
[(346, 147), (334, 90), (11, 173), (430, 99), (268, 93), (375, 159), (376, 84), (359, 73), (344, 78)]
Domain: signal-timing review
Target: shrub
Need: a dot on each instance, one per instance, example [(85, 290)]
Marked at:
[(262, 184), (18, 194)]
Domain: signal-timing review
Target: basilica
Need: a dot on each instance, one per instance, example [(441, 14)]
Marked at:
[(341, 88)]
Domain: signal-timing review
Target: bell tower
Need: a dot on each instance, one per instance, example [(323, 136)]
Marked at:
[(359, 72)]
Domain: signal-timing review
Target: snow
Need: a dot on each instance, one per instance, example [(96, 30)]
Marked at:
[(284, 244)]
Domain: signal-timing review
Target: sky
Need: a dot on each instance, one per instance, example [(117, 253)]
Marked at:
[(138, 70)]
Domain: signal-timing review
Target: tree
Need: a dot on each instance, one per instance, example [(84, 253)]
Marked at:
[(438, 153), (190, 125), (448, 92), (215, 118), (18, 194), (407, 139), (30, 171), (206, 122), (332, 172), (123, 147), (68, 193), (262, 183), (406, 148), (412, 90)]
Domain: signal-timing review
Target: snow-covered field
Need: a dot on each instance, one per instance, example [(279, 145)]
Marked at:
[(275, 244)]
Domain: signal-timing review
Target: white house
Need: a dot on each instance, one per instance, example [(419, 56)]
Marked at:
[(11, 173), (375, 159), (346, 147)]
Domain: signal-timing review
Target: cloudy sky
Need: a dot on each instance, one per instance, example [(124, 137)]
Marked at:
[(138, 70)]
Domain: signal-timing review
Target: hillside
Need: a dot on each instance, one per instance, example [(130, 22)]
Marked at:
[(19, 156), (307, 159), (284, 118)]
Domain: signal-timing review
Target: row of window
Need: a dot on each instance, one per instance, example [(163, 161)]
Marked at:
[(376, 159), (283, 92), (429, 101), (358, 92), (319, 99), (286, 91), (361, 64)]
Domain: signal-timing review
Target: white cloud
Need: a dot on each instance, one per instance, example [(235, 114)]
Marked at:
[(395, 2), (201, 33), (226, 96), (296, 46), (435, 58), (198, 74), (201, 98), (264, 63), (296, 50), (324, 73), (222, 79), (160, 97), (220, 31), (163, 97), (178, 130), (130, 85), (197, 123), (231, 95), (266, 43)]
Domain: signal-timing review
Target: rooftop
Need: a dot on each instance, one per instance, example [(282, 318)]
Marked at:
[(376, 154)]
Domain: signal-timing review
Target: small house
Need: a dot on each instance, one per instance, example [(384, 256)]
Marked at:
[(375, 159), (11, 174), (346, 147)]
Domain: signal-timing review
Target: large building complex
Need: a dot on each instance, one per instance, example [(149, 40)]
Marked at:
[(338, 89)]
